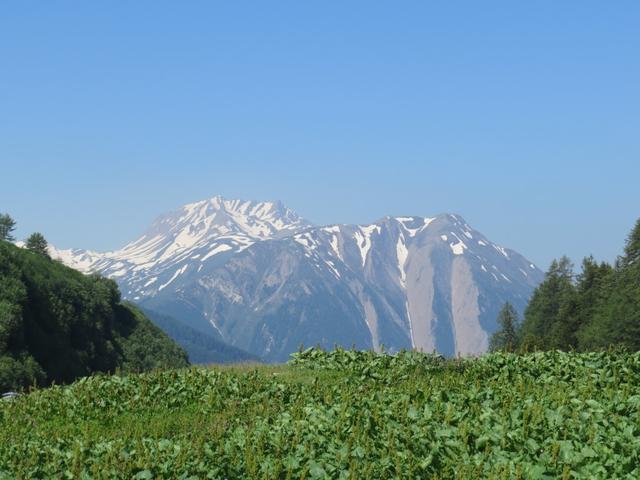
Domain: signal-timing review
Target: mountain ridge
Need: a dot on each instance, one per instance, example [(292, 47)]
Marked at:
[(242, 270), (202, 229)]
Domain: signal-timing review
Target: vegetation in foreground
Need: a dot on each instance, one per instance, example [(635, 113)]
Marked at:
[(340, 415)]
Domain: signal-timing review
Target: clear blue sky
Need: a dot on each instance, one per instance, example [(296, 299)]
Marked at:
[(523, 117)]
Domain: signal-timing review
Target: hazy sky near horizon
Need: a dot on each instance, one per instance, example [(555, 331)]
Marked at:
[(523, 117)]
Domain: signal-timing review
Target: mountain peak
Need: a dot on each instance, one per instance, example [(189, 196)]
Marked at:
[(274, 213), (405, 281), (196, 232)]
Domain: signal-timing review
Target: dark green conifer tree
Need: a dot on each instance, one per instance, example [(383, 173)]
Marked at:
[(7, 226), (593, 290), (37, 243), (617, 322), (506, 337), (632, 248), (548, 318)]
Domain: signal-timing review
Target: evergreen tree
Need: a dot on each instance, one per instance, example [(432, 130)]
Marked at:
[(549, 317), (617, 322), (593, 290), (37, 243), (57, 324), (506, 337), (601, 309), (7, 226), (592, 285), (632, 248)]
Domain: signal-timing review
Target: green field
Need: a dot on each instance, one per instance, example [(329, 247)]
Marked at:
[(343, 414)]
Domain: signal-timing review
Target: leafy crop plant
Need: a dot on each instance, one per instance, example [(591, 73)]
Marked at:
[(338, 415)]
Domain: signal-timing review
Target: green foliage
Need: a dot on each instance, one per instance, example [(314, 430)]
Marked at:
[(20, 371), (599, 309), (594, 291), (7, 226), (617, 320), (506, 337), (548, 317), (593, 286), (38, 244), (57, 325), (632, 248), (339, 415), (146, 347), (366, 363)]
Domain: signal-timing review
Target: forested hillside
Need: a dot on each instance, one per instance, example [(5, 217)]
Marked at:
[(597, 308), (57, 324)]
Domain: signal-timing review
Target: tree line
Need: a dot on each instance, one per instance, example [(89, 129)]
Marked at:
[(35, 242), (57, 324), (595, 309)]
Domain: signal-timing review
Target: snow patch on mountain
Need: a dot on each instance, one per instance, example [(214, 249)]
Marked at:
[(216, 250), (402, 253), (363, 240), (334, 246), (178, 272), (200, 230)]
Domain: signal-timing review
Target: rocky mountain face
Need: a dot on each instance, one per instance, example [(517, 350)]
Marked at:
[(183, 242), (265, 280)]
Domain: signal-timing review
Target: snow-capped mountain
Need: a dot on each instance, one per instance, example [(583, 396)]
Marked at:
[(183, 242), (263, 279)]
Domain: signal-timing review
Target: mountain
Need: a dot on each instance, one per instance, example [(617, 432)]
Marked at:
[(57, 325), (201, 347), (263, 279), (186, 241)]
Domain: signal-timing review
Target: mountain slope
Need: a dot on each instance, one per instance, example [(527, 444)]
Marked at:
[(429, 284), (402, 282), (183, 242), (202, 348), (57, 325)]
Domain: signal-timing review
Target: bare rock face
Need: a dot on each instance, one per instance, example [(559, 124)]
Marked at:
[(265, 280)]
